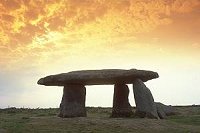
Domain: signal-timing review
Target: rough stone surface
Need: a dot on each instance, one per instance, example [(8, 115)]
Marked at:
[(121, 105), (164, 110), (73, 101), (160, 111), (96, 77), (145, 106)]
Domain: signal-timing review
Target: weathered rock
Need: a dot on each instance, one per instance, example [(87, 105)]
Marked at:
[(73, 101), (160, 111), (96, 77), (121, 105), (145, 106), (164, 110)]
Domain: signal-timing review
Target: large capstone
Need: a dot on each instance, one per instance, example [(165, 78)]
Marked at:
[(145, 106), (73, 101), (98, 77), (121, 105)]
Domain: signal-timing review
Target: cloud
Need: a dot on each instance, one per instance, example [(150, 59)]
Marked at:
[(196, 45), (37, 29), (185, 6)]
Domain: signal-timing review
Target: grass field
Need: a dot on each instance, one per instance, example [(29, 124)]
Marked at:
[(14, 120)]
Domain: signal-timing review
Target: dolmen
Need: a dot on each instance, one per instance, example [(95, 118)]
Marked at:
[(74, 92)]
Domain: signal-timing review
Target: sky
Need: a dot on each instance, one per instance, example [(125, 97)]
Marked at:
[(44, 37)]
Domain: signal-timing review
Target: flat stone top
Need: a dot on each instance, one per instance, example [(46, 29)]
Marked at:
[(98, 77)]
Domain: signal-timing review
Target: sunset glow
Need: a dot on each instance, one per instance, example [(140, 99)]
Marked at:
[(41, 37)]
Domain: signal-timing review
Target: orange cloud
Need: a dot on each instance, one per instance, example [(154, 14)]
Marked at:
[(36, 28)]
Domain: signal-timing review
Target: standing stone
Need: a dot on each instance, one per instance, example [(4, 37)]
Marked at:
[(121, 106), (73, 101), (145, 106)]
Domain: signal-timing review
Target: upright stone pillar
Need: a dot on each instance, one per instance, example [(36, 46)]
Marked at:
[(121, 106), (73, 101), (145, 106)]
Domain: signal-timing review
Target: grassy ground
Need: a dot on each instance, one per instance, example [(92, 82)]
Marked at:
[(45, 120)]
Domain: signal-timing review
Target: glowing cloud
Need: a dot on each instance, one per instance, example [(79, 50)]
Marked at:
[(35, 29)]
